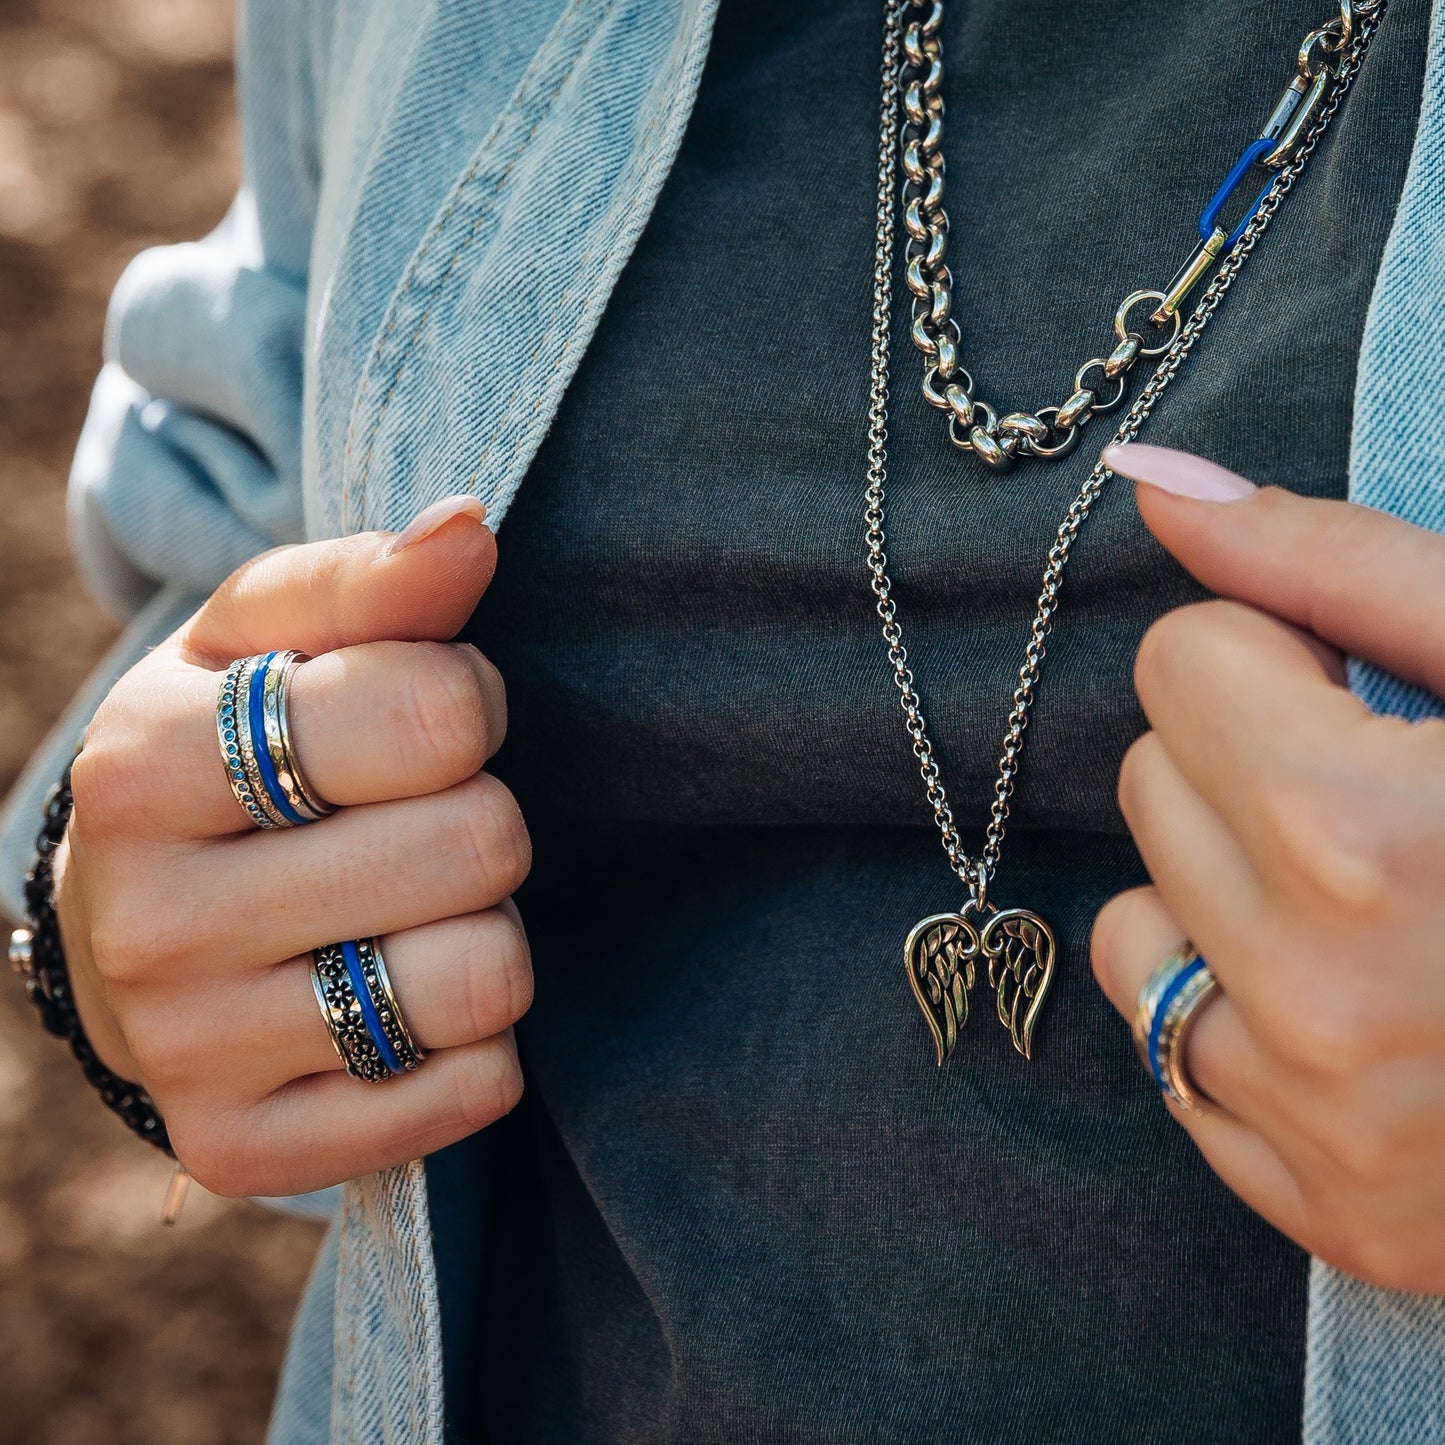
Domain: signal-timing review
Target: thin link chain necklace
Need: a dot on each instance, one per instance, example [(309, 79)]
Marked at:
[(943, 952)]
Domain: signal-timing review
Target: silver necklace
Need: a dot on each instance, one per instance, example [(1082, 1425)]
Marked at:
[(944, 952)]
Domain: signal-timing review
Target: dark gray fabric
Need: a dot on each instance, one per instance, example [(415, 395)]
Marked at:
[(740, 1202)]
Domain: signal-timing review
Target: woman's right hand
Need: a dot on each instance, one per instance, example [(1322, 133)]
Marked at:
[(188, 932)]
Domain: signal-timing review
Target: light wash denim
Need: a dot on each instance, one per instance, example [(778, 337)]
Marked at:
[(438, 200)]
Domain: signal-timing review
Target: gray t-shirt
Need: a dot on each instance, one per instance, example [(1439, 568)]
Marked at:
[(740, 1202)]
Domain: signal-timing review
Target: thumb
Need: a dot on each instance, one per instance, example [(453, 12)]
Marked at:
[(420, 584), (1362, 580)]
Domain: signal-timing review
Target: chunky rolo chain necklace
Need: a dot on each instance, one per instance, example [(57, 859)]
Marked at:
[(944, 953)]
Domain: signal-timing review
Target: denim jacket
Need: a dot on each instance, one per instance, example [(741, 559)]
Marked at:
[(438, 199)]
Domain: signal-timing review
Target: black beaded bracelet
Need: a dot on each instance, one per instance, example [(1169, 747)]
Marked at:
[(37, 956)]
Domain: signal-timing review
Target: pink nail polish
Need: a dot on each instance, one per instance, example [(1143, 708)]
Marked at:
[(1182, 473), (432, 519)]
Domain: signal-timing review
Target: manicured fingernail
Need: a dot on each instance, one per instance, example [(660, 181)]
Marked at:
[(1182, 473), (432, 519)]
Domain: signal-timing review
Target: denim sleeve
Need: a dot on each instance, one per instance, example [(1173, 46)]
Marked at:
[(190, 459)]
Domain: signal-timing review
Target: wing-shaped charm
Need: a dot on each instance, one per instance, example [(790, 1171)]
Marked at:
[(939, 955), (1020, 949)]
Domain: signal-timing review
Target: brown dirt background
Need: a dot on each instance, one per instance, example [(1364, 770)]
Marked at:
[(117, 132)]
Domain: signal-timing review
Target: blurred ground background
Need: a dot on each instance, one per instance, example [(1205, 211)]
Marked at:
[(116, 133)]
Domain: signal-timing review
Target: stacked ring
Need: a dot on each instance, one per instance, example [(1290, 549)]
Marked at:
[(345, 1021), (1168, 1004), (361, 1012), (254, 728), (230, 729), (302, 801), (389, 1031)]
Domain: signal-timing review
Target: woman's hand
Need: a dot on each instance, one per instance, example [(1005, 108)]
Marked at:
[(1299, 842), (188, 932)]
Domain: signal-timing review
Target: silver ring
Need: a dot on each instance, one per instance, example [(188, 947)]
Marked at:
[(303, 798), (253, 726), (233, 729), (1168, 1004), (393, 1025), (345, 1021)]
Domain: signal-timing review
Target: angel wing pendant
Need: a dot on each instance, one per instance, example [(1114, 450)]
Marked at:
[(1020, 949), (941, 955)]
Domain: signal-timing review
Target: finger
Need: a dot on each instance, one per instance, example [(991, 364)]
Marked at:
[(1133, 934), (1241, 700), (327, 1128), (366, 588), (1364, 581), (364, 873), (389, 720), (1202, 873), (1332, 803), (370, 723), (456, 982)]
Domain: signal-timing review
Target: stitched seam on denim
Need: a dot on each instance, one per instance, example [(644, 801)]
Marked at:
[(346, 229), (570, 344), (437, 287), (399, 1234), (395, 1234), (423, 255), (412, 283), (659, 117)]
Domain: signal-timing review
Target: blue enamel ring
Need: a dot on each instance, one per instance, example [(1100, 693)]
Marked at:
[(1168, 1005), (255, 735), (362, 1015)]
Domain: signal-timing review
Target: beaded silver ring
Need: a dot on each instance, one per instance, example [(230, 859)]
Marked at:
[(233, 729), (404, 1048)]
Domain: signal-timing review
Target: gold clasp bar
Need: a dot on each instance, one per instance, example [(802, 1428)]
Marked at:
[(1189, 276)]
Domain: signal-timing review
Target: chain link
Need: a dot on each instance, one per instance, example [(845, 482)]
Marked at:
[(1101, 384), (1359, 22)]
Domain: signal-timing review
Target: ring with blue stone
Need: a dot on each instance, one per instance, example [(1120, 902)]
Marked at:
[(253, 726), (1168, 1004), (234, 733)]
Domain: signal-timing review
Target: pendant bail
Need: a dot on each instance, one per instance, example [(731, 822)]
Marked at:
[(979, 901)]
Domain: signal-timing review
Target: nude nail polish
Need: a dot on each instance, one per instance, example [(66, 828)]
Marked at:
[(432, 519), (1181, 473)]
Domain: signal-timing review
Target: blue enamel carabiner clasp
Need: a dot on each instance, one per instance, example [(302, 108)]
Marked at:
[(1209, 220)]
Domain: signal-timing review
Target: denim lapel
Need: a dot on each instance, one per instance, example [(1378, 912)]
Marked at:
[(503, 291), (468, 365), (405, 95), (1375, 1366)]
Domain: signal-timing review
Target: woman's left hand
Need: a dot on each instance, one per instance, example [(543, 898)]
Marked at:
[(1298, 841)]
